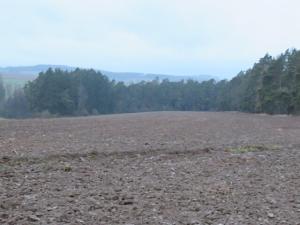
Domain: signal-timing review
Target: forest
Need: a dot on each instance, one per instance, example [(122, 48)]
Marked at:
[(271, 86)]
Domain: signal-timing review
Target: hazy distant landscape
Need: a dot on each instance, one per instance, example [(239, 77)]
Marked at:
[(20, 75)]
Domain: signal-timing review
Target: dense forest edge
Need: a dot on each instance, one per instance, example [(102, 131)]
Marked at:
[(271, 86)]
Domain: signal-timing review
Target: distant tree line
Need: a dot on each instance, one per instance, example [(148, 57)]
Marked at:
[(271, 86)]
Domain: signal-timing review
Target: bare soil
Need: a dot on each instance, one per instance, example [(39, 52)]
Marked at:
[(151, 168)]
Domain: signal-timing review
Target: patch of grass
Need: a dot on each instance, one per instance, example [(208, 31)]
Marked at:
[(252, 148), (67, 168), (93, 154), (4, 168)]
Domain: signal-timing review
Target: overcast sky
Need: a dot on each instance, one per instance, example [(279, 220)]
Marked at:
[(217, 37)]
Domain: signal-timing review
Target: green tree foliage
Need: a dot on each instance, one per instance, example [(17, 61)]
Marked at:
[(67, 93), (53, 91), (2, 90), (272, 86), (16, 105)]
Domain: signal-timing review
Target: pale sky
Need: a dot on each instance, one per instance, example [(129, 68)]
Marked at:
[(216, 37)]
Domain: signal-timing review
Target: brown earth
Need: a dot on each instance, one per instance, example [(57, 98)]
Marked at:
[(151, 168)]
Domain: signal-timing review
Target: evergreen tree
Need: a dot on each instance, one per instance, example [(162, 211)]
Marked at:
[(2, 90)]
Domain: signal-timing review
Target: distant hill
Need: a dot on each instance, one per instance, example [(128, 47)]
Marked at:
[(136, 77), (21, 74), (31, 70)]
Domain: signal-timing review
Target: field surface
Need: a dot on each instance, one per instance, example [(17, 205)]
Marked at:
[(151, 168)]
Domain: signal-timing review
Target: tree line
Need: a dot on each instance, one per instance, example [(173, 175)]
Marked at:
[(271, 86)]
